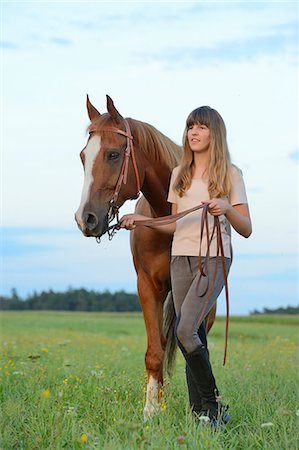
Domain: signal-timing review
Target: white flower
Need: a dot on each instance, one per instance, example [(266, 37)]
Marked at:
[(267, 424), (96, 374), (204, 419)]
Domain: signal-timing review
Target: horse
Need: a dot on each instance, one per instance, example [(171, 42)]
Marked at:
[(122, 157)]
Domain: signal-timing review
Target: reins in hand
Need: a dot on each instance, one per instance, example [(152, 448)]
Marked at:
[(203, 262)]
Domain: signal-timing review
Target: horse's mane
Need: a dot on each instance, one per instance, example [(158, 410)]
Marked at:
[(161, 147)]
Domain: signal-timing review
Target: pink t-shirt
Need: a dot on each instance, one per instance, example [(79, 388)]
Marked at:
[(186, 239)]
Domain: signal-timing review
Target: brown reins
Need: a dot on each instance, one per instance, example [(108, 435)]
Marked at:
[(203, 265), (203, 261)]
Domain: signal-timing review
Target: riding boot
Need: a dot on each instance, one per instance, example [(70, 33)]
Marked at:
[(201, 370), (193, 392)]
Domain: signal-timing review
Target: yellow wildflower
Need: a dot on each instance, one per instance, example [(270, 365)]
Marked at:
[(46, 393), (45, 350), (84, 438)]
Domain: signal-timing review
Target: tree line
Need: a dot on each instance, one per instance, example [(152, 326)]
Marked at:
[(287, 310), (84, 300), (72, 300)]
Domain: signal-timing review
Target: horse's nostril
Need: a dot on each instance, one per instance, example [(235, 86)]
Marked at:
[(91, 221)]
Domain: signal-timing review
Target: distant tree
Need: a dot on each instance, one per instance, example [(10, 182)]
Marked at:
[(14, 294), (14, 302)]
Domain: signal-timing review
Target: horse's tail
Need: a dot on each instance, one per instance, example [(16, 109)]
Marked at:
[(169, 318)]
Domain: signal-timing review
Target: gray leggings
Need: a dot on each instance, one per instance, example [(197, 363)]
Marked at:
[(188, 302)]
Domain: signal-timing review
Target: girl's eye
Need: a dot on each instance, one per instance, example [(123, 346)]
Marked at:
[(113, 156)]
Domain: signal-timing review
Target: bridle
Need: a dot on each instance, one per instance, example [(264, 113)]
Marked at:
[(113, 210)]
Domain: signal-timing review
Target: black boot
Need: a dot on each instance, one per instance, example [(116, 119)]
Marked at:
[(193, 392), (201, 370)]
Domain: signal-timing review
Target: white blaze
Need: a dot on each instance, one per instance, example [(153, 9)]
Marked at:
[(90, 153)]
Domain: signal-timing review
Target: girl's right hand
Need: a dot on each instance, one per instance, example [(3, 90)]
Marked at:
[(128, 220)]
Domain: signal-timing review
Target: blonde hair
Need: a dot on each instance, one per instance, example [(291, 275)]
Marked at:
[(219, 161)]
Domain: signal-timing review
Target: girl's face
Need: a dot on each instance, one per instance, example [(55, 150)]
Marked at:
[(198, 136)]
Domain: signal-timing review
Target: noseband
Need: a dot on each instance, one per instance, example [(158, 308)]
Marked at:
[(123, 175)]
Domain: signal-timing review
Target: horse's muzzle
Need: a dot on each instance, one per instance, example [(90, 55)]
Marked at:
[(90, 224), (90, 221)]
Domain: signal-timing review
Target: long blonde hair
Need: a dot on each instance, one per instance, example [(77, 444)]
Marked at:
[(219, 160)]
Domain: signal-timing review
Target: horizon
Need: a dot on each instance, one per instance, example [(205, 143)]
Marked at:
[(14, 294)]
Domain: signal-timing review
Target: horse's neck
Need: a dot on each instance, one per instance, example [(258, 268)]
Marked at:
[(155, 188), (156, 170)]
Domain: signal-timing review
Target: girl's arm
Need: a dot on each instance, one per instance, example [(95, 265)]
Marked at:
[(128, 220), (237, 215)]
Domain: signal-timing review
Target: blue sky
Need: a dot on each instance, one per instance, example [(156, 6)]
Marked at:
[(158, 61)]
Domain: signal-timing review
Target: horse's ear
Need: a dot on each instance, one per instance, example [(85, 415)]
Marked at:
[(112, 110), (93, 113)]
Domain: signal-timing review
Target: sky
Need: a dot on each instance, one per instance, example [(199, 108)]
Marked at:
[(158, 61)]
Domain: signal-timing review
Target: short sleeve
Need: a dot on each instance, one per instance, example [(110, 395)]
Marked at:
[(237, 194), (172, 195)]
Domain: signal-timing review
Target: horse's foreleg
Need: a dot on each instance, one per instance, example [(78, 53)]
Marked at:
[(152, 305)]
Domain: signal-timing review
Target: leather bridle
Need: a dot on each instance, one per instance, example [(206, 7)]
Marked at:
[(123, 176)]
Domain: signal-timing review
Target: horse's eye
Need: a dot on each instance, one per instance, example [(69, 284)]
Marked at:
[(113, 156)]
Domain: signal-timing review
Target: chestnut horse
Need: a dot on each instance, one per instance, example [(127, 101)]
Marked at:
[(122, 156)]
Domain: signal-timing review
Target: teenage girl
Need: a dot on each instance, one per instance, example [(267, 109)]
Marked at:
[(205, 175)]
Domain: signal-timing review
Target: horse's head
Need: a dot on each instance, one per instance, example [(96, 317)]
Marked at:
[(102, 159)]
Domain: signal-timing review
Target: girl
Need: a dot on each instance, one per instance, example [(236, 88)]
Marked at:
[(205, 175)]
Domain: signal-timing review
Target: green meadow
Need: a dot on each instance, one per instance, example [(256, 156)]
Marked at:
[(77, 381)]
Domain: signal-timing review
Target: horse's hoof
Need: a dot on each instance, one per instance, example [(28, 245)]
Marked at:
[(150, 411)]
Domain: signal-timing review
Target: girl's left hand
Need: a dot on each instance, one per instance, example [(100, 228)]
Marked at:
[(218, 206)]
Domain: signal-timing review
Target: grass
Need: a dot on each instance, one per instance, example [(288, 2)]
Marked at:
[(77, 380)]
